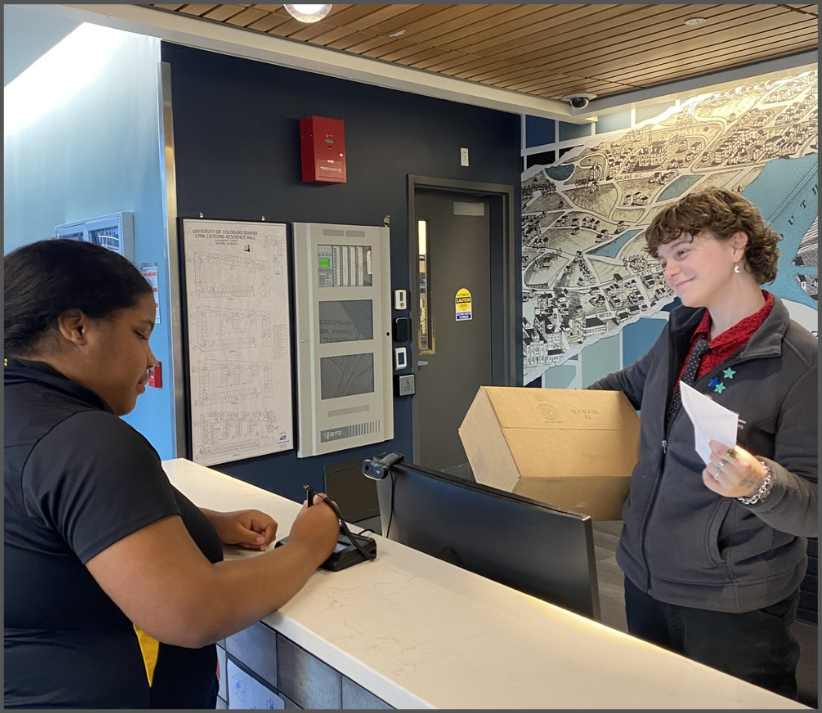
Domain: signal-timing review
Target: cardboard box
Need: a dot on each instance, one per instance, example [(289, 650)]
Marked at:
[(574, 449)]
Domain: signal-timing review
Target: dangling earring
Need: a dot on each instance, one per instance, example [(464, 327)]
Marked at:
[(736, 269)]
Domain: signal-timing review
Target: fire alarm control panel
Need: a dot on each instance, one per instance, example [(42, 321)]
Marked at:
[(322, 143), (342, 288)]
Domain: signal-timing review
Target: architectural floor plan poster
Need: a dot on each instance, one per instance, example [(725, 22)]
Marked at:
[(585, 273), (239, 350)]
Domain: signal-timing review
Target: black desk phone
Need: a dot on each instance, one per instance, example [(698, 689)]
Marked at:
[(351, 549)]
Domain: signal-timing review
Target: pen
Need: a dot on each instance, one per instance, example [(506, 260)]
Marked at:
[(309, 495)]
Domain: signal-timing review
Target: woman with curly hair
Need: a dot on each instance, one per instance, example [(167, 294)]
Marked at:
[(714, 553)]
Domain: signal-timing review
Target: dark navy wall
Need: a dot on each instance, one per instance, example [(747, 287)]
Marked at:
[(236, 133)]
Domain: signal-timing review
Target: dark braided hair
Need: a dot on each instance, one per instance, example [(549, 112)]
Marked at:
[(46, 278)]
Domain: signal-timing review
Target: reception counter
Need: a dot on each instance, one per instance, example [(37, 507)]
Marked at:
[(411, 631)]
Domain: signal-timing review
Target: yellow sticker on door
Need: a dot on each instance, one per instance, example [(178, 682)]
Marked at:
[(463, 304)]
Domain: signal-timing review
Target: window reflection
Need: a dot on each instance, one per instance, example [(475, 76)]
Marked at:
[(425, 338)]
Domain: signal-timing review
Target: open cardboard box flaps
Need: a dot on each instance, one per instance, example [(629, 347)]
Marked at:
[(574, 449)]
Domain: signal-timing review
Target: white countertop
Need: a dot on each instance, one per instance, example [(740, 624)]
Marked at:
[(421, 633)]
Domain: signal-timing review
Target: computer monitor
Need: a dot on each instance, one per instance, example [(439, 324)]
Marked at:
[(525, 544)]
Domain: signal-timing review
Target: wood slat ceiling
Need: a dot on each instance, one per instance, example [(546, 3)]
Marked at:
[(547, 51)]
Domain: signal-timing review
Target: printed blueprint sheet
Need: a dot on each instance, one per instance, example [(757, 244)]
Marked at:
[(239, 350)]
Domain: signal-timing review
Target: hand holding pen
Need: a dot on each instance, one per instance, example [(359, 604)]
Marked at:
[(316, 527)]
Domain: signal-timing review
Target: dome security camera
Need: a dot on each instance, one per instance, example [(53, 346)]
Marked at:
[(578, 101)]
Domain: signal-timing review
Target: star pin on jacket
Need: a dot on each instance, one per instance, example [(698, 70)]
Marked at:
[(719, 386)]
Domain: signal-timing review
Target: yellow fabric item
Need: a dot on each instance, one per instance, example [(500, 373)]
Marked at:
[(151, 649)]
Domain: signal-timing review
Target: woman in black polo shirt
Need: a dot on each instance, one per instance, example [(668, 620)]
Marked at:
[(103, 557)]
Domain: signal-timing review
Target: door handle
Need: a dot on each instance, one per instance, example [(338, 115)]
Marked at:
[(422, 363)]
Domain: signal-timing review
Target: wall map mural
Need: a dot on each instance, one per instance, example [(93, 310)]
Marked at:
[(585, 274)]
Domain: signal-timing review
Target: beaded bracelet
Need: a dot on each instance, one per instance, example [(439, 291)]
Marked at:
[(763, 490)]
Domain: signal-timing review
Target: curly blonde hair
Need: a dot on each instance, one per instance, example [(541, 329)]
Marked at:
[(724, 213)]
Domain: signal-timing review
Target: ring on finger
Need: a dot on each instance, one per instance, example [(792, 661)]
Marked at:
[(722, 463)]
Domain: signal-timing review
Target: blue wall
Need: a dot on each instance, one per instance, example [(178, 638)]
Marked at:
[(86, 143), (236, 132)]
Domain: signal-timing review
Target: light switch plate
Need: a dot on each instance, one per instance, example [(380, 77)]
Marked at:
[(400, 301), (463, 157)]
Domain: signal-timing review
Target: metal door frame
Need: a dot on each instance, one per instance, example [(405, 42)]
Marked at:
[(501, 228), (176, 347)]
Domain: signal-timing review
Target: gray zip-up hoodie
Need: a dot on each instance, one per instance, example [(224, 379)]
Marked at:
[(681, 542)]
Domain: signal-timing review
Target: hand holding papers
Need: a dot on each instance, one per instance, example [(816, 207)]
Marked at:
[(711, 421)]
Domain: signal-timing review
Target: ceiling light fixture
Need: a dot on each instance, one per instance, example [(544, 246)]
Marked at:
[(695, 20), (397, 33), (308, 13)]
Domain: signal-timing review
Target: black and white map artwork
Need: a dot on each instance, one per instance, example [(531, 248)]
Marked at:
[(584, 271)]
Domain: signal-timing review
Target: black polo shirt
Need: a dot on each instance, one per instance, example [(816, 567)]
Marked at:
[(77, 479)]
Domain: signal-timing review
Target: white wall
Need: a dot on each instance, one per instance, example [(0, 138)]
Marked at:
[(27, 36)]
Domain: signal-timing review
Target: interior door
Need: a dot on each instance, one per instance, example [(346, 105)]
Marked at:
[(453, 321)]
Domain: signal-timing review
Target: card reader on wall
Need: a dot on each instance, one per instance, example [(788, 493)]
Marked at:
[(402, 329)]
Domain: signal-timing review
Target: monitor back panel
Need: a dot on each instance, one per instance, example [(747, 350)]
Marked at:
[(524, 544)]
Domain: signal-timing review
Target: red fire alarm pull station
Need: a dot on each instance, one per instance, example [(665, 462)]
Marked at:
[(322, 142), (155, 376)]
